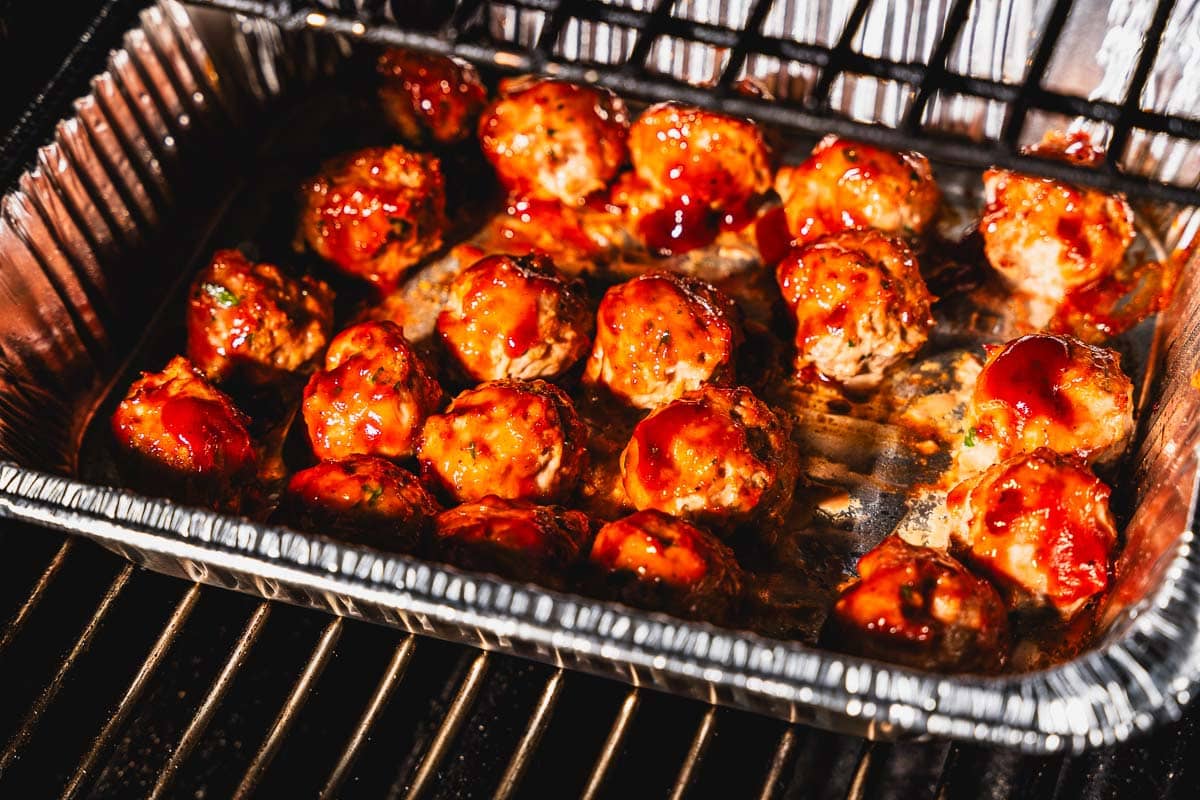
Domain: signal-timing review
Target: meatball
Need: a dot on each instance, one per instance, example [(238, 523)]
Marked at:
[(919, 607), (514, 538), (251, 319), (372, 397), (363, 499), (430, 99), (185, 437), (514, 439), (848, 185), (660, 335), (551, 140), (859, 302), (716, 161), (717, 456), (1046, 237), (654, 560), (515, 317), (1049, 391), (376, 212), (1039, 526)]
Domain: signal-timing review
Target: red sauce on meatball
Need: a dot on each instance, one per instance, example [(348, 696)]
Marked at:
[(1027, 376), (1070, 230), (679, 227), (772, 236), (207, 430), (658, 435)]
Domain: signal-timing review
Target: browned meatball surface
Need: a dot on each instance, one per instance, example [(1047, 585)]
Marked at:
[(859, 303), (1038, 525), (514, 439), (1049, 391), (376, 212), (653, 559), (552, 140), (717, 456), (362, 498), (847, 185), (660, 335), (513, 538), (430, 99), (253, 320), (1046, 237), (918, 607), (515, 317), (372, 397), (185, 435)]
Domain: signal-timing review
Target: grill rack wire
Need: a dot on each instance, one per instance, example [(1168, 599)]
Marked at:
[(463, 31)]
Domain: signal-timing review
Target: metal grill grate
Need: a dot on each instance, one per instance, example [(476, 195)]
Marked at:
[(464, 31), (282, 701)]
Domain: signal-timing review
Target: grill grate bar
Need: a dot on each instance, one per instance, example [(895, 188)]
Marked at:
[(838, 57), (955, 19), (1019, 106), (695, 753), (611, 744), (216, 693), (463, 700), (858, 784), (533, 735), (783, 752), (652, 26), (125, 707), (379, 700), (287, 715), (35, 595), (48, 694), (1141, 73), (750, 36)]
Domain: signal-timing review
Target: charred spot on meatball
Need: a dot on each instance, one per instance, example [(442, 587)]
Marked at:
[(653, 560), (372, 397), (1050, 391), (1039, 526), (376, 213), (1045, 237), (716, 456), (363, 499), (253, 321), (660, 335), (514, 538), (515, 317), (859, 303), (429, 99), (182, 436), (919, 607), (846, 185), (514, 439), (552, 140)]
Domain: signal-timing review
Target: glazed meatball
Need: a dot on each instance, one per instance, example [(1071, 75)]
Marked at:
[(551, 140), (184, 436), (919, 607), (1048, 391), (716, 456), (376, 212), (1045, 237), (363, 499), (1039, 526), (252, 320), (654, 560), (430, 99), (515, 317), (660, 335), (847, 185), (859, 302), (714, 160), (372, 397), (514, 538), (514, 439)]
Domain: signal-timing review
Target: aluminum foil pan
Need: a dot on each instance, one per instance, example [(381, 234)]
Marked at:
[(118, 204)]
